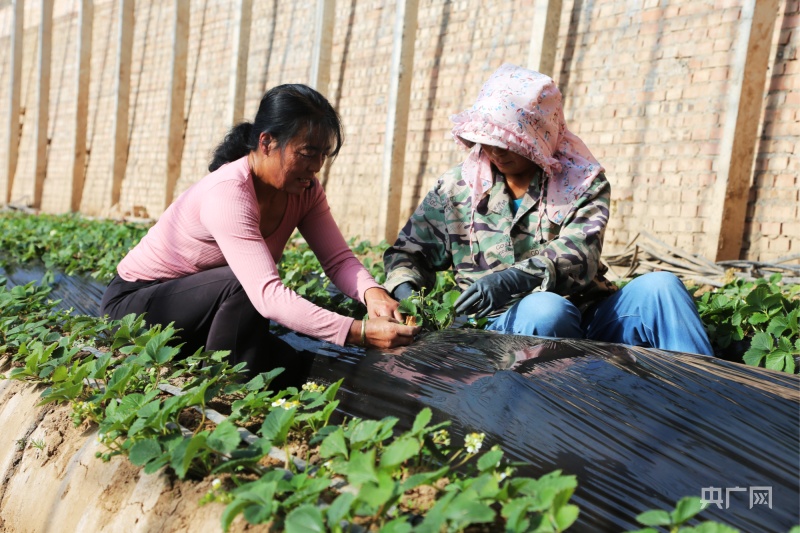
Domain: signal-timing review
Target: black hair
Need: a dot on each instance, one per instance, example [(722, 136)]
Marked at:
[(285, 111)]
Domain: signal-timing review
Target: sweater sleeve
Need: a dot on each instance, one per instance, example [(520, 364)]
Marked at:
[(230, 215), (320, 231)]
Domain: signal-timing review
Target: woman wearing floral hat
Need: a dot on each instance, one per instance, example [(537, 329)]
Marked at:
[(521, 222)]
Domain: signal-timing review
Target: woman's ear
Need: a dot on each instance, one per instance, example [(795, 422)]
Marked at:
[(265, 142)]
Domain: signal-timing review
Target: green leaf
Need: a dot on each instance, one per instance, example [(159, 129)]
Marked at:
[(225, 438), (423, 478), (232, 510), (762, 342), (149, 409), (277, 424), (144, 451), (790, 367), (260, 512), (333, 445), (490, 460), (753, 357), (131, 403), (757, 296), (450, 297), (686, 509), (378, 495), (784, 344), (464, 510), (758, 318), (60, 374), (515, 512), (709, 527), (654, 518), (340, 509), (157, 464), (398, 525), (305, 519), (408, 307), (442, 315), (364, 431), (185, 453), (792, 321), (399, 451), (566, 516), (421, 421), (778, 325), (777, 360), (361, 468)]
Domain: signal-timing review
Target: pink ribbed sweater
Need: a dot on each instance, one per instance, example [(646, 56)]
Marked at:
[(216, 222)]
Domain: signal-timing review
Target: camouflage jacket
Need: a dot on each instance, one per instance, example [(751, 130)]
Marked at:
[(566, 256)]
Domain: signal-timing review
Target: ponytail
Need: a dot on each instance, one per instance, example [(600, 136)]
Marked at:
[(236, 144)]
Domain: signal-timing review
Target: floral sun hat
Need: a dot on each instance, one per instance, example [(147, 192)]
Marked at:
[(520, 110)]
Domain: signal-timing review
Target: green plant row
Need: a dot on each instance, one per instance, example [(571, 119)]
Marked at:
[(112, 374), (119, 392), (69, 243), (751, 322), (762, 314)]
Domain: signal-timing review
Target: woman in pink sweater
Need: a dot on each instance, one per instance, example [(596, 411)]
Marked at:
[(209, 263)]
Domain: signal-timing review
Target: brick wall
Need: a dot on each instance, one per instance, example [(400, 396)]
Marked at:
[(26, 160), (773, 215), (144, 187), (645, 86), (362, 48), (459, 44), (63, 95), (208, 75), (102, 97)]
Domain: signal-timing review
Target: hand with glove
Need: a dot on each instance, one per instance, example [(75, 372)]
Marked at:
[(495, 290), (404, 290)]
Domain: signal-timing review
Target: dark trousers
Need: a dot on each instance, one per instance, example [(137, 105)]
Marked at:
[(210, 309)]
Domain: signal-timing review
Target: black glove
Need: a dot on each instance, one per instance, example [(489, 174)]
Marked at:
[(495, 290), (403, 291)]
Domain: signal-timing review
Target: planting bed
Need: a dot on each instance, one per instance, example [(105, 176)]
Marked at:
[(639, 428)]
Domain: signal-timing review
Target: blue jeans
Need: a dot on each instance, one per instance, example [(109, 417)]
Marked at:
[(654, 310)]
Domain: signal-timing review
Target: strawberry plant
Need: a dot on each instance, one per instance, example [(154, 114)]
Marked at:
[(390, 475), (685, 510), (434, 309), (68, 242), (763, 313), (361, 472)]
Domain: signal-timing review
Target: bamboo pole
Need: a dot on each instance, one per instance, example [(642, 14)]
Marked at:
[(740, 130), (12, 123), (86, 18), (239, 51), (122, 97), (405, 32), (43, 100), (544, 36), (323, 42), (175, 125)]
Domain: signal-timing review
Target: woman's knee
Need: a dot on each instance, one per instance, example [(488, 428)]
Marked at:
[(545, 314), (659, 286), (660, 282)]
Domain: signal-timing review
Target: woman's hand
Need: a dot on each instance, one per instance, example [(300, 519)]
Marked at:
[(380, 303), (383, 332)]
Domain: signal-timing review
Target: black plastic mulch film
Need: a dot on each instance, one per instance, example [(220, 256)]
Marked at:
[(640, 428)]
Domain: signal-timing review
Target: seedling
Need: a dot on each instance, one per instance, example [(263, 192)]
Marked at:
[(685, 510)]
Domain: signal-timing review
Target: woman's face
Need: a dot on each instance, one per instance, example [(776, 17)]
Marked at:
[(293, 168), (508, 162)]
